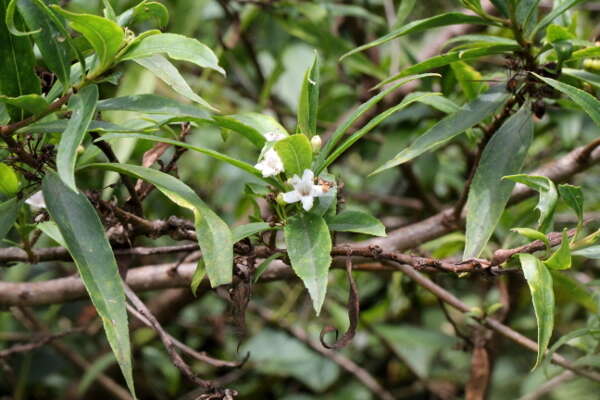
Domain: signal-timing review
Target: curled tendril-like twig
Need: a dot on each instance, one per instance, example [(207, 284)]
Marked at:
[(353, 312)]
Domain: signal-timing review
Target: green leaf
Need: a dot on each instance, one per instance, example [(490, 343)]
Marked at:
[(214, 237), (560, 8), (356, 221), (61, 124), (440, 103), (82, 106), (533, 235), (309, 247), (166, 72), (9, 181), (152, 104), (85, 239), (32, 103), (145, 11), (586, 76), (8, 215), (253, 126), (10, 21), (55, 50), (526, 14), (585, 53), (373, 123), (558, 33), (469, 78), (262, 267), (572, 290), (540, 285), (17, 75), (211, 153), (309, 100), (573, 196), (177, 47), (468, 116), (561, 259), (586, 101), (198, 277), (503, 155), (105, 36), (592, 252), (243, 231), (296, 154), (451, 18), (548, 196), (51, 230)]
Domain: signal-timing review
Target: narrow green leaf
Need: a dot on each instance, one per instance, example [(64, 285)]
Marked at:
[(165, 71), (177, 47), (86, 241), (58, 126), (560, 8), (214, 237), (586, 76), (253, 126), (548, 197), (10, 21), (295, 153), (51, 230), (573, 291), (198, 277), (82, 106), (451, 18), (309, 247), (561, 259), (262, 267), (592, 252), (440, 103), (503, 155), (9, 180), (470, 80), (526, 13), (145, 11), (17, 75), (8, 215), (542, 295), (243, 231), (586, 101), (468, 116), (32, 103), (573, 196), (105, 36), (588, 52), (309, 100), (533, 235), (373, 123), (152, 104), (356, 221)]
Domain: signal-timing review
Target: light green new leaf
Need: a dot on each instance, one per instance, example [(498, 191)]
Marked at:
[(253, 126), (561, 259), (262, 267), (469, 78), (166, 72), (468, 116), (542, 295), (588, 52), (533, 235), (144, 11), (503, 155), (356, 221), (586, 76), (8, 215), (243, 231), (586, 101), (17, 62), (82, 106), (213, 234), (573, 196), (152, 104), (548, 196), (309, 100), (309, 247), (9, 180), (32, 103), (560, 8), (177, 47), (86, 241), (295, 153), (451, 18), (105, 36)]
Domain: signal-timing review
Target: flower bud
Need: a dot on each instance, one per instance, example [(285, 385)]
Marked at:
[(315, 142), (279, 199)]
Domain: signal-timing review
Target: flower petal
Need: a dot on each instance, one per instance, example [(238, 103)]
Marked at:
[(307, 202), (291, 197)]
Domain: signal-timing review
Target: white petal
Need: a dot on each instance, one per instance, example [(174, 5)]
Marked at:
[(308, 176), (291, 197), (307, 202), (36, 200), (295, 180)]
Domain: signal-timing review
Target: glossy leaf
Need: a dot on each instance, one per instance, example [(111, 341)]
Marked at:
[(468, 116), (177, 47), (243, 231), (145, 11), (253, 126), (561, 259), (451, 18), (573, 196), (165, 71), (9, 180), (295, 153), (533, 235), (309, 100), (539, 281), (469, 78), (8, 215), (105, 36), (548, 197), (51, 230), (503, 155), (82, 106), (32, 103), (309, 246), (213, 234), (86, 241), (356, 221), (152, 104)]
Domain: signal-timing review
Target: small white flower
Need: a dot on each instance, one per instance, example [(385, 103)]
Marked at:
[(316, 143), (36, 200), (271, 164), (304, 191), (274, 136)]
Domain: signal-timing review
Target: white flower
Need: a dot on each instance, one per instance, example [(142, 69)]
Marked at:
[(36, 200), (274, 136), (316, 142), (304, 191), (271, 164)]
